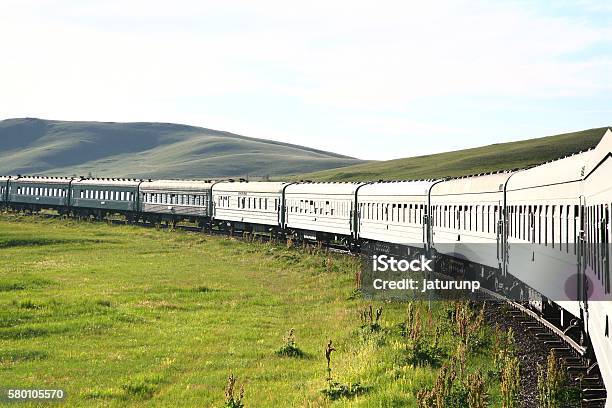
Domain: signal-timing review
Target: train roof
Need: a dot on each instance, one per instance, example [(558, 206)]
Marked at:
[(397, 188), (601, 152), (109, 182), (563, 170), (41, 179), (483, 183), (4, 178), (252, 187), (323, 188), (183, 185)]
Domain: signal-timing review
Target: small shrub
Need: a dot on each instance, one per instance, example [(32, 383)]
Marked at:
[(478, 396), (553, 390), (103, 303), (468, 325), (511, 382), (335, 389), (142, 387), (290, 349), (421, 352), (28, 304), (445, 393), (231, 400), (370, 319)]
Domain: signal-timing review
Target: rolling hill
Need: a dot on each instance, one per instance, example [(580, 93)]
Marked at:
[(501, 156), (155, 150)]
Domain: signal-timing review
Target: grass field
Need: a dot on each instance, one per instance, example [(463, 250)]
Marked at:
[(124, 315), (500, 156)]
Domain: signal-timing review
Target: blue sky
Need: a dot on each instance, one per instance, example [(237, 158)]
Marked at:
[(375, 80)]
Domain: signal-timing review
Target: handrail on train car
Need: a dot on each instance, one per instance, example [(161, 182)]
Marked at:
[(356, 214), (428, 241), (283, 218)]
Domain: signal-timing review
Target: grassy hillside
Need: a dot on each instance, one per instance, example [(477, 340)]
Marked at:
[(166, 321), (501, 156), (156, 150)]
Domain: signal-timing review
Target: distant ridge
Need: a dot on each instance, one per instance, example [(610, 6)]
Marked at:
[(149, 149), (495, 157)]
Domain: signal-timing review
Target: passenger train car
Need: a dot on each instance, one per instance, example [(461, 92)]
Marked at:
[(251, 206), (540, 235), (176, 200)]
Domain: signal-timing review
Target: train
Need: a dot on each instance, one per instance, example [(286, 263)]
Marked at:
[(539, 234)]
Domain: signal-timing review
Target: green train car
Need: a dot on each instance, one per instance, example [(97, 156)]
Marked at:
[(35, 192), (100, 197)]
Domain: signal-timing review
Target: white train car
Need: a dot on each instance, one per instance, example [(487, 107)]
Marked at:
[(315, 211), (595, 254), (466, 218), (394, 212), (176, 199), (543, 220), (237, 204)]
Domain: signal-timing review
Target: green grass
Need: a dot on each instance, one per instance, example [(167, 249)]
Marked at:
[(149, 150), (501, 156), (123, 315)]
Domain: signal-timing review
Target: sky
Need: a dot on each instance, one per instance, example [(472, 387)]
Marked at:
[(373, 80)]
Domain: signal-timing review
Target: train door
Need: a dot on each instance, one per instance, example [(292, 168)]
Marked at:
[(502, 239), (582, 248), (604, 234)]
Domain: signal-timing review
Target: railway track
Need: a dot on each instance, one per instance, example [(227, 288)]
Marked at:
[(582, 372)]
